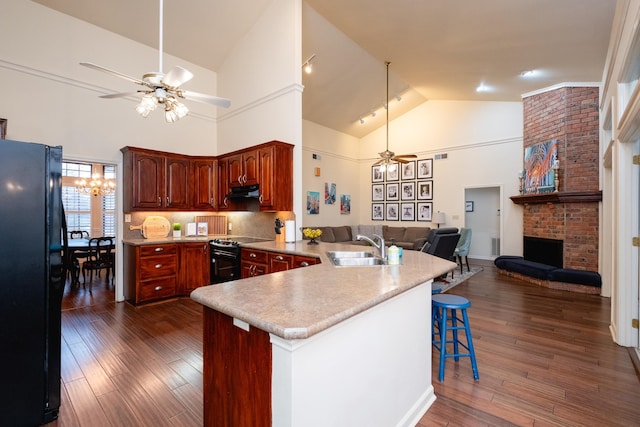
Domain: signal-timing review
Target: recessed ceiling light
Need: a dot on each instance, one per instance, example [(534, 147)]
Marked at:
[(483, 88)]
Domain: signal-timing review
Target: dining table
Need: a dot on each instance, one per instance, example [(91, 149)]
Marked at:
[(78, 249)]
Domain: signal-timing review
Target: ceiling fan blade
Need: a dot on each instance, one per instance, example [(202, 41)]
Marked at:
[(379, 162), (400, 160), (406, 156), (115, 73), (120, 95), (177, 76), (207, 99)]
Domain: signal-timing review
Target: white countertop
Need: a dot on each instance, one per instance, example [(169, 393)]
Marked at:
[(299, 303)]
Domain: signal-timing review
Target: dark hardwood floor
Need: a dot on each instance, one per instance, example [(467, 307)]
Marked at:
[(545, 359)]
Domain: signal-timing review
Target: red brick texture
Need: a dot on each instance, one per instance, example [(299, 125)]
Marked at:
[(571, 116)]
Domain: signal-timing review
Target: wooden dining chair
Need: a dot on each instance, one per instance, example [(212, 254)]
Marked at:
[(100, 258), (78, 234)]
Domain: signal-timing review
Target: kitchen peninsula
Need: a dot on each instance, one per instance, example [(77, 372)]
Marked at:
[(320, 345)]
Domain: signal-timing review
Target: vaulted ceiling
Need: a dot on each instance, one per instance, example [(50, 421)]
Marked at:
[(439, 49)]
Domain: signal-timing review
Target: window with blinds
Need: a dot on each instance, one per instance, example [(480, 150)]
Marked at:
[(94, 214)]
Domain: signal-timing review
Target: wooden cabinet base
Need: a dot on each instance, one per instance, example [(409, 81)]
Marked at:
[(237, 375)]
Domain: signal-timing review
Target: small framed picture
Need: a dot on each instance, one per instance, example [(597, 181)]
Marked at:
[(392, 191), (424, 210), (408, 170), (377, 192), (377, 211), (408, 191), (408, 211), (377, 175), (392, 172), (425, 190), (393, 213), (425, 168), (468, 206)]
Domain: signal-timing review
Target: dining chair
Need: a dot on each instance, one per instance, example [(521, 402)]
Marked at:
[(100, 258), (78, 234), (462, 250)]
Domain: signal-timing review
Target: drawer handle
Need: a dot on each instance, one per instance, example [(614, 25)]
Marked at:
[(158, 266), (279, 258), (159, 249), (158, 288), (252, 255), (304, 264)]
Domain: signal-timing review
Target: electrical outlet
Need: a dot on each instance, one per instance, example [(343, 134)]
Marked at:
[(127, 217), (230, 226)]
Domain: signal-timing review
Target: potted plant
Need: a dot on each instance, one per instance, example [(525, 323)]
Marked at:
[(176, 230)]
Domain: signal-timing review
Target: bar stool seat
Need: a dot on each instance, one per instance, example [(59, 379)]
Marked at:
[(445, 317)]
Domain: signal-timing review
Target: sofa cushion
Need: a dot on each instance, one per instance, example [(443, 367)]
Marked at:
[(411, 234), (503, 260), (581, 277), (393, 233), (529, 268), (327, 235), (342, 233)]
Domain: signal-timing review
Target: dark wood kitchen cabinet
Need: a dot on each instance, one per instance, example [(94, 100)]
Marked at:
[(155, 180), (194, 267), (205, 184), (150, 272), (280, 262), (243, 168), (276, 176), (253, 263)]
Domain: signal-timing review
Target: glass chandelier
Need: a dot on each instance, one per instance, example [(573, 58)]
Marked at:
[(96, 186)]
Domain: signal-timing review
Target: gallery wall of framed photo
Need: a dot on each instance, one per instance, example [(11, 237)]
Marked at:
[(403, 192)]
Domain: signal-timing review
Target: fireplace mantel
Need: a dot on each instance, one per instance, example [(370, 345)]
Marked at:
[(558, 197)]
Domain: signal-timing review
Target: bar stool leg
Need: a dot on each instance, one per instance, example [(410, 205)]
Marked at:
[(472, 352), (454, 330), (443, 342)]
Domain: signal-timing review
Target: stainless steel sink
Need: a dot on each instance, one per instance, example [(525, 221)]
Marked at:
[(364, 261), (349, 254), (354, 258)]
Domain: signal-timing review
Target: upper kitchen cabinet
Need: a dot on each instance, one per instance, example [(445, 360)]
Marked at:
[(205, 183), (155, 180), (243, 168), (276, 176)]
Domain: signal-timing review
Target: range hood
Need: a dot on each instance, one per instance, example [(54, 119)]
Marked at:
[(247, 191)]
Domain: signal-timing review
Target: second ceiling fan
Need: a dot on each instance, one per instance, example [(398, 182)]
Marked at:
[(162, 89), (389, 157)]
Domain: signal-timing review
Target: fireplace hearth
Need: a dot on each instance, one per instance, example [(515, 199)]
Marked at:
[(545, 251)]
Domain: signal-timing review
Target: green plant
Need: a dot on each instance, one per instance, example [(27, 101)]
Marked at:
[(177, 226)]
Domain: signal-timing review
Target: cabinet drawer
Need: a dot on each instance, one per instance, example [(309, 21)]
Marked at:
[(304, 261), (154, 250), (158, 266), (254, 255), (157, 289)]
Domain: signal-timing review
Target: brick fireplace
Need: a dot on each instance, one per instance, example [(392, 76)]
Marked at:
[(571, 116)]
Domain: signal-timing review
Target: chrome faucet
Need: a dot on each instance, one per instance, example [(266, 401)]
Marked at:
[(380, 245)]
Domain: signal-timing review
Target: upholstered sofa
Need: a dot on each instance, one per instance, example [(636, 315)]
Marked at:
[(406, 237)]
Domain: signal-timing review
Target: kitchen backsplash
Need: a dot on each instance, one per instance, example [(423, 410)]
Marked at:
[(254, 224)]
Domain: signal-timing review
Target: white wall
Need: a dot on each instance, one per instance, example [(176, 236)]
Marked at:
[(262, 77), (48, 97), (338, 164), (483, 143)]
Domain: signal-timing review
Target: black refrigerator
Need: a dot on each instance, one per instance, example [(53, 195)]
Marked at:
[(32, 275)]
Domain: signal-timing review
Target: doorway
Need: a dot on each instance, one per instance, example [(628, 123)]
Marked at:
[(482, 216), (90, 212)]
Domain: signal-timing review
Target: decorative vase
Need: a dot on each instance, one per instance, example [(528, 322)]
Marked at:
[(176, 234), (312, 242)]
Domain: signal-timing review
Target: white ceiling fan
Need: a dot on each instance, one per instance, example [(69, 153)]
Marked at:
[(162, 89), (388, 157)]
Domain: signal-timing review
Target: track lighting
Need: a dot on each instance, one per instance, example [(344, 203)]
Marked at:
[(307, 66), (361, 121)]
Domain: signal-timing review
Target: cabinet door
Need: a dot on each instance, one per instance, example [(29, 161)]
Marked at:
[(177, 183), (205, 184), (147, 181), (252, 269), (251, 168), (194, 267), (235, 170), (304, 261), (280, 262), (265, 156)]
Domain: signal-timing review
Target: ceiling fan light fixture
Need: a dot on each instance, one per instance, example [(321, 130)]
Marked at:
[(148, 103)]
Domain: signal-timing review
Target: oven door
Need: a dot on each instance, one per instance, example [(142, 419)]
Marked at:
[(225, 265)]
